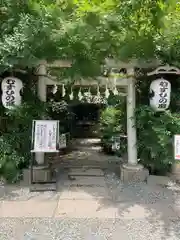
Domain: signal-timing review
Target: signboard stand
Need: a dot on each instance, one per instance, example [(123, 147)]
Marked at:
[(45, 138)]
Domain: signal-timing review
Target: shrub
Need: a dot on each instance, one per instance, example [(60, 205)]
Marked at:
[(155, 132), (113, 123), (60, 111), (19, 129), (155, 138), (16, 139), (10, 161)]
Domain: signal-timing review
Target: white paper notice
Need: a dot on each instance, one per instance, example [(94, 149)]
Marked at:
[(177, 147), (45, 136)]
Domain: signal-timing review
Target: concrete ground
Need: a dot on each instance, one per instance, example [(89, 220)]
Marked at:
[(96, 208)]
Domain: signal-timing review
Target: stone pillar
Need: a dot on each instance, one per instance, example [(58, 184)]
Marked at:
[(131, 129), (41, 173), (132, 171), (42, 96)]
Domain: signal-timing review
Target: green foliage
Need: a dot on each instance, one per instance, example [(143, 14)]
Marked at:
[(130, 29), (10, 161), (59, 107), (25, 33), (155, 131), (168, 42), (113, 123), (155, 138), (109, 122), (15, 142), (60, 111), (20, 125), (87, 32)]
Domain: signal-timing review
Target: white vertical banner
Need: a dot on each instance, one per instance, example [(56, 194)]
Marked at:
[(161, 89), (45, 136), (177, 147), (11, 88)]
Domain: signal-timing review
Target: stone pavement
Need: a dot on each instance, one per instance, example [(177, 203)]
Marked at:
[(89, 208), (101, 202)]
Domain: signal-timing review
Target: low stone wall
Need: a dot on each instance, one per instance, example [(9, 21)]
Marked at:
[(40, 174), (176, 171)]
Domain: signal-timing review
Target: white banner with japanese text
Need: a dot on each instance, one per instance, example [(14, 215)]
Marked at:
[(11, 88)]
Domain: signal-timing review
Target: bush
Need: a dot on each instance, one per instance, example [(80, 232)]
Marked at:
[(60, 111), (109, 122), (113, 123), (16, 139), (10, 161), (19, 129), (155, 132), (155, 138)]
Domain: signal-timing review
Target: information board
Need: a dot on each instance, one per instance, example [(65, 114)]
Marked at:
[(45, 136)]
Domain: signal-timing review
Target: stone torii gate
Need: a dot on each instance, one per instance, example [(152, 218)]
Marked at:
[(131, 171)]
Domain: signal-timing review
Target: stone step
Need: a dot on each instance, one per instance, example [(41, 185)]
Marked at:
[(82, 156), (85, 171), (89, 148), (84, 166), (111, 167), (43, 187), (81, 133), (86, 181), (87, 141), (89, 163)]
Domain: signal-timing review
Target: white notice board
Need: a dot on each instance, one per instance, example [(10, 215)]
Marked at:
[(45, 136), (177, 147)]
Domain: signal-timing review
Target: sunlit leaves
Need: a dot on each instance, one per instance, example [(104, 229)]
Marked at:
[(88, 31)]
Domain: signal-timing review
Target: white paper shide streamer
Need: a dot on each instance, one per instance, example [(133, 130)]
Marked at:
[(80, 96), (107, 92), (71, 96), (98, 92), (55, 88), (63, 91)]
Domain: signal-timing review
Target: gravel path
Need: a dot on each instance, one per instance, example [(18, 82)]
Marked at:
[(140, 192), (83, 229), (149, 228), (118, 192)]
